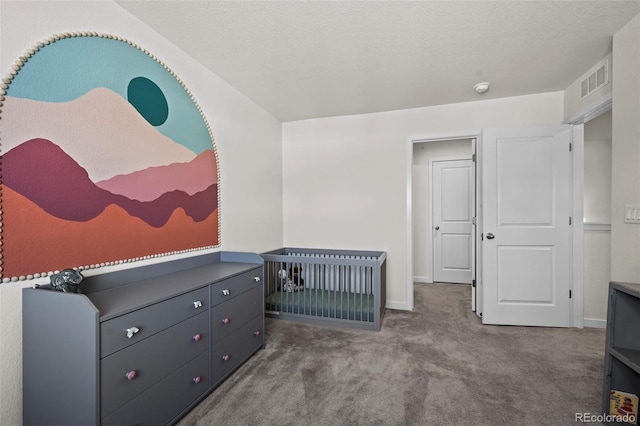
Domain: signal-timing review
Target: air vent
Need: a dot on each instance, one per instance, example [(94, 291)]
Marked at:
[(594, 79)]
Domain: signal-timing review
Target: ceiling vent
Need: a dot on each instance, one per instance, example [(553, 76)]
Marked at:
[(596, 78)]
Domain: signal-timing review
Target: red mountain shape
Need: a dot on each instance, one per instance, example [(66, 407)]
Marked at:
[(43, 173), (149, 184), (37, 242)]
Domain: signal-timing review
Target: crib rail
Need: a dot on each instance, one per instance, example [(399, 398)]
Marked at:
[(341, 286)]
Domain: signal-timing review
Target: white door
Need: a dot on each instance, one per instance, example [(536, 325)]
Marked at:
[(526, 250), (453, 198)]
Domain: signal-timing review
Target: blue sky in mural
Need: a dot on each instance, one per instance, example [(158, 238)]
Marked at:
[(84, 63)]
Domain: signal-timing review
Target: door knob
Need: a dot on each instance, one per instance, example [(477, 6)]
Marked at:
[(490, 236), (437, 228)]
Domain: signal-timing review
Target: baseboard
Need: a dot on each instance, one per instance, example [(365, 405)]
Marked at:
[(595, 323), (425, 280)]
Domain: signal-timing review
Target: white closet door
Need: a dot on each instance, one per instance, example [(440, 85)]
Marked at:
[(453, 197)]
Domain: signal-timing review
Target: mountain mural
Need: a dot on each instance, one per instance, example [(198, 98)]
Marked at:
[(106, 157), (40, 171)]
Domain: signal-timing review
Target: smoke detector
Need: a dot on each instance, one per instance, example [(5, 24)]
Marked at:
[(482, 87)]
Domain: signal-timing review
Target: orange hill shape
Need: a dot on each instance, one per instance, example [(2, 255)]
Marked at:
[(111, 236)]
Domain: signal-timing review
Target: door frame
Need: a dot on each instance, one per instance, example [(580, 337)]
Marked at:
[(411, 140), (577, 250), (430, 234), (577, 173)]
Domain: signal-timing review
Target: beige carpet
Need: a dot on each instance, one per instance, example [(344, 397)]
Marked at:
[(437, 365)]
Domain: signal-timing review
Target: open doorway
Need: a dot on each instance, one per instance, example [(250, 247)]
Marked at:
[(597, 218), (424, 155), (419, 224)]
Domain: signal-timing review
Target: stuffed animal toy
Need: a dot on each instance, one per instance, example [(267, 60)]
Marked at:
[(66, 281), (294, 272), (291, 280)]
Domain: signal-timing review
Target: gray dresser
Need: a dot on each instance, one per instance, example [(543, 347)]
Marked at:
[(622, 347), (140, 346)]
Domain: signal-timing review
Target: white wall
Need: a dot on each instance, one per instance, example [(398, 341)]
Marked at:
[(597, 169), (613, 255), (625, 238), (346, 180), (597, 274), (597, 218), (422, 154), (247, 138)]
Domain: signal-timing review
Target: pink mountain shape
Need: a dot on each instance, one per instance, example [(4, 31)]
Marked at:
[(43, 173), (151, 183), (100, 130)]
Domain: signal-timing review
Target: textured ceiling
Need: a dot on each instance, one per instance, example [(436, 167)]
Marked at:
[(308, 59)]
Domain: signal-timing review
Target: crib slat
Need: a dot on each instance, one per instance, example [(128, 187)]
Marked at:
[(323, 269), (345, 289), (339, 285), (361, 290)]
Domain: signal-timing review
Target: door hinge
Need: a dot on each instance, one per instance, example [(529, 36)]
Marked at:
[(570, 220), (570, 147), (569, 294), (473, 220), (473, 158), (473, 283)]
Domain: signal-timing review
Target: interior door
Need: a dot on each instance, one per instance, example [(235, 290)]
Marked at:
[(526, 249), (453, 198)]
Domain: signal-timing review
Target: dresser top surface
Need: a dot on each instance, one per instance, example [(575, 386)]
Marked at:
[(629, 288), (119, 300)]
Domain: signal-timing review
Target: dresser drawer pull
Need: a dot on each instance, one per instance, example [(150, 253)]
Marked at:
[(256, 333), (197, 379), (257, 279), (197, 304), (226, 292), (131, 375), (225, 357), (197, 337), (225, 320), (131, 331)]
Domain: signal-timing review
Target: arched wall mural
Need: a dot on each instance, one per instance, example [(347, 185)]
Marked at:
[(106, 158)]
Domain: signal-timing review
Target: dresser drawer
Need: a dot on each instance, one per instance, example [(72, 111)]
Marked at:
[(128, 372), (118, 333), (232, 351), (229, 316), (161, 403), (231, 287)]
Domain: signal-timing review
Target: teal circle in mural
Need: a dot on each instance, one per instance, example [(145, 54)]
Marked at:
[(72, 66), (148, 99)]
